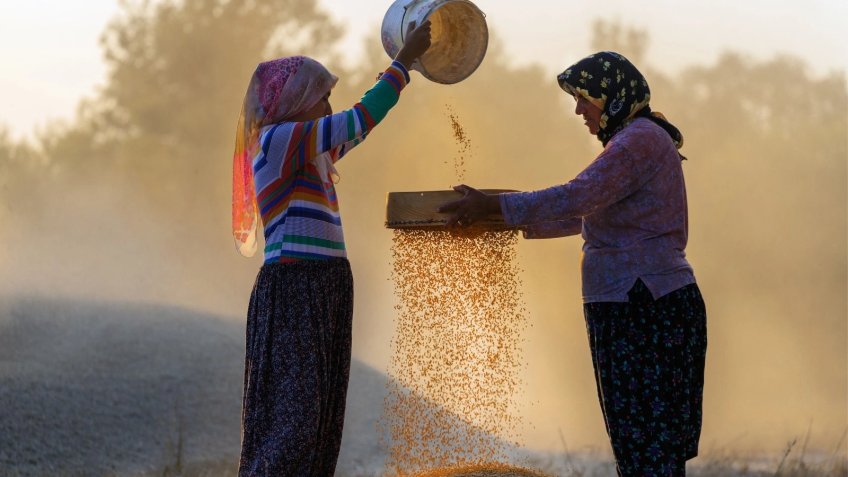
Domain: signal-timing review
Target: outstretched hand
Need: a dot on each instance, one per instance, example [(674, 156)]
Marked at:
[(417, 42), (473, 206)]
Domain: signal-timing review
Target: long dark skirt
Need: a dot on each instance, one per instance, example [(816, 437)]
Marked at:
[(296, 368), (649, 367)]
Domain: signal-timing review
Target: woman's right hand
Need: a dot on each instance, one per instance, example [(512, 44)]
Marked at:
[(473, 206), (416, 43)]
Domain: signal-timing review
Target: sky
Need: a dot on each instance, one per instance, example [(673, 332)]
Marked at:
[(60, 61)]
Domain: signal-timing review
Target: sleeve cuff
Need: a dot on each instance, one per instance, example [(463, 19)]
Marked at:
[(396, 75), (403, 70), (508, 207)]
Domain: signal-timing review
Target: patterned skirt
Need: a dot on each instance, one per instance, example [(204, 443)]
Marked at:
[(649, 369), (297, 365)]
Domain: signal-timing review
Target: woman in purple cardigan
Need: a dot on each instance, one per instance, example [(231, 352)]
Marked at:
[(644, 313)]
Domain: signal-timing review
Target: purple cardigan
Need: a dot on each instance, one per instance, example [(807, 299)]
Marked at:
[(630, 204)]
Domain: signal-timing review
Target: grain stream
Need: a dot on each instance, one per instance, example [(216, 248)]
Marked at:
[(463, 144), (456, 353)]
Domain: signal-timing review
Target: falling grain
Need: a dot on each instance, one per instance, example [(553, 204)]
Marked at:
[(463, 144), (456, 354)]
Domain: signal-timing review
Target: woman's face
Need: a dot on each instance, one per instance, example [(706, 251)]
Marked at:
[(591, 113), (319, 110)]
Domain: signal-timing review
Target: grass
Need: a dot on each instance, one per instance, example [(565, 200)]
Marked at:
[(792, 464), (794, 461)]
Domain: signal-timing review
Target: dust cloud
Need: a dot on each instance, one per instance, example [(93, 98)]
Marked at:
[(130, 202)]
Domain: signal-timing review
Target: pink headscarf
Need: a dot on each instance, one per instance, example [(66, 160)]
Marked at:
[(279, 90)]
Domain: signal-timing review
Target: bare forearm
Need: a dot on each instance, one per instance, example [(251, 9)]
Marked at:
[(405, 58)]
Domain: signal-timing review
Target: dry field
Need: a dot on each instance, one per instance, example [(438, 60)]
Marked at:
[(114, 389)]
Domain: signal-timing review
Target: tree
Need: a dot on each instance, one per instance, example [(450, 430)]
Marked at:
[(22, 169), (613, 36), (178, 71)]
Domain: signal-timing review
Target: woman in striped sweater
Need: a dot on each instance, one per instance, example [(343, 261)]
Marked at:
[(300, 314)]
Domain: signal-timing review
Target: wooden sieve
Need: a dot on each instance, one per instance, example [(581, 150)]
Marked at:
[(419, 210)]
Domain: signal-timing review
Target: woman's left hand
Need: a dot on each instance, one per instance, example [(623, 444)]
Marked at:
[(416, 43), (473, 206)]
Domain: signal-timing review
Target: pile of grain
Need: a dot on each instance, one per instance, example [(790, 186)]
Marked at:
[(488, 470)]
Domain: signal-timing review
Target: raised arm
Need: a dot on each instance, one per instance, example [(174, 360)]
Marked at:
[(297, 142)]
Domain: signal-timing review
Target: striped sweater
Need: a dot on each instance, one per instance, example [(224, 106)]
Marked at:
[(300, 209)]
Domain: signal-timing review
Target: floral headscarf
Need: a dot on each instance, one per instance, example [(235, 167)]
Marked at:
[(278, 90), (610, 82)]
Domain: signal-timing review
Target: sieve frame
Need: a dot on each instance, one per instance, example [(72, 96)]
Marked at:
[(418, 210)]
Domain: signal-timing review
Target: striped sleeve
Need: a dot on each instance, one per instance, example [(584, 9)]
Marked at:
[(377, 102), (345, 129)]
